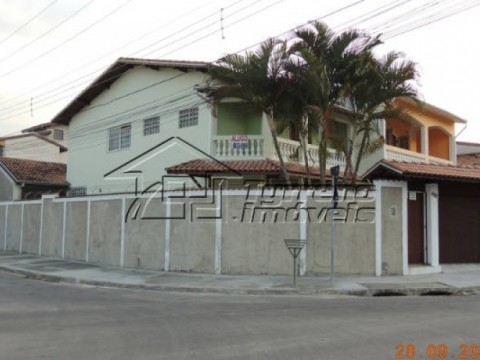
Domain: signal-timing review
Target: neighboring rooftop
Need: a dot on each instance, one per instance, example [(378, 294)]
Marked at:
[(35, 172), (38, 127), (472, 160), (387, 169), (41, 136), (464, 147)]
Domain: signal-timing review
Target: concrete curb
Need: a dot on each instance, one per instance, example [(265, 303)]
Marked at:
[(390, 291), (169, 288)]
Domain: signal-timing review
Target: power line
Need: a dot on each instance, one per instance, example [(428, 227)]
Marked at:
[(184, 45), (47, 32), (28, 22), (103, 18), (433, 20), (165, 38)]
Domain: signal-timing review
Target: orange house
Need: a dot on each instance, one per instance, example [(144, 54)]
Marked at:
[(426, 134)]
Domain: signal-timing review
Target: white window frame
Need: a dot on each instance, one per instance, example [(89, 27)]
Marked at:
[(119, 137), (58, 134), (188, 117), (151, 125)]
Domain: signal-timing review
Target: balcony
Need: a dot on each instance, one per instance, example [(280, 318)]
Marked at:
[(251, 147), (238, 147), (292, 152), (399, 154)]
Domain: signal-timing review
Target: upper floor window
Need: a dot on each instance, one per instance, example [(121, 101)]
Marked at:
[(151, 126), (119, 137), (58, 134), (188, 117)]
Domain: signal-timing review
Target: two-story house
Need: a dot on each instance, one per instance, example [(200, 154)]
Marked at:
[(128, 113), (148, 117), (33, 162), (43, 142)]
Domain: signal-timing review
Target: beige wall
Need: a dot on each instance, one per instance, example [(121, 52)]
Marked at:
[(243, 240), (33, 148), (89, 158)]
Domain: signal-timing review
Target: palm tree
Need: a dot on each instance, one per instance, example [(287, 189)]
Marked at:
[(326, 58), (258, 78), (371, 91)]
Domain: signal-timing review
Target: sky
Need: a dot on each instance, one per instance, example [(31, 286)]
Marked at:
[(52, 49)]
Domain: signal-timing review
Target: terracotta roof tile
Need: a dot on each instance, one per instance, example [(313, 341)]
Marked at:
[(265, 166), (472, 160), (420, 170), (35, 172)]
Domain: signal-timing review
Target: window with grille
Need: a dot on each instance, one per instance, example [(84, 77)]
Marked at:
[(188, 117), (77, 191), (119, 137), (58, 134), (151, 126)]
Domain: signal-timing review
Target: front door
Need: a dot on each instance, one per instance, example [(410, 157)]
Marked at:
[(416, 228)]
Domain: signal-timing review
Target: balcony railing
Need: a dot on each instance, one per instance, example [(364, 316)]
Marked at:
[(238, 147), (292, 152), (399, 154), (235, 147)]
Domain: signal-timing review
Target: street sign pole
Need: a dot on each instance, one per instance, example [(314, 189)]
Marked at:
[(334, 171), (295, 246)]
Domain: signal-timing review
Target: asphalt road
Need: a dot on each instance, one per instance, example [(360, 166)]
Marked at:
[(41, 320)]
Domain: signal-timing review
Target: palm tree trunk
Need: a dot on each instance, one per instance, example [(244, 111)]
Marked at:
[(359, 157), (271, 125), (322, 149), (303, 143)]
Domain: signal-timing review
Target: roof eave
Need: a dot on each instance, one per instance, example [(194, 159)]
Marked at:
[(110, 75)]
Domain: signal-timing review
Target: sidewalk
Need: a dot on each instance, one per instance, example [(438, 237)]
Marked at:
[(455, 279)]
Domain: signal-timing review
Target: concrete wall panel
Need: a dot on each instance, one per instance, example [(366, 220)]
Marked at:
[(52, 228), (13, 229), (192, 243), (105, 232), (76, 230), (392, 209), (145, 238), (254, 243), (31, 229), (2, 226)]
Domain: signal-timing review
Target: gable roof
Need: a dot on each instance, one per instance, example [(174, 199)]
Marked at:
[(435, 110), (38, 136), (388, 169), (35, 172), (38, 127), (111, 74)]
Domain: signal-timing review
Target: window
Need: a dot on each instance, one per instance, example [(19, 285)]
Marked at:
[(2, 150), (77, 191), (58, 134), (119, 137), (188, 117), (151, 126), (338, 134)]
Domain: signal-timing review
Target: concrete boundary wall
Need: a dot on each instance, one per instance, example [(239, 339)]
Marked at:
[(223, 232)]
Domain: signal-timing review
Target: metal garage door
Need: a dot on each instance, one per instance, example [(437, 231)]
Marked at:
[(459, 223)]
